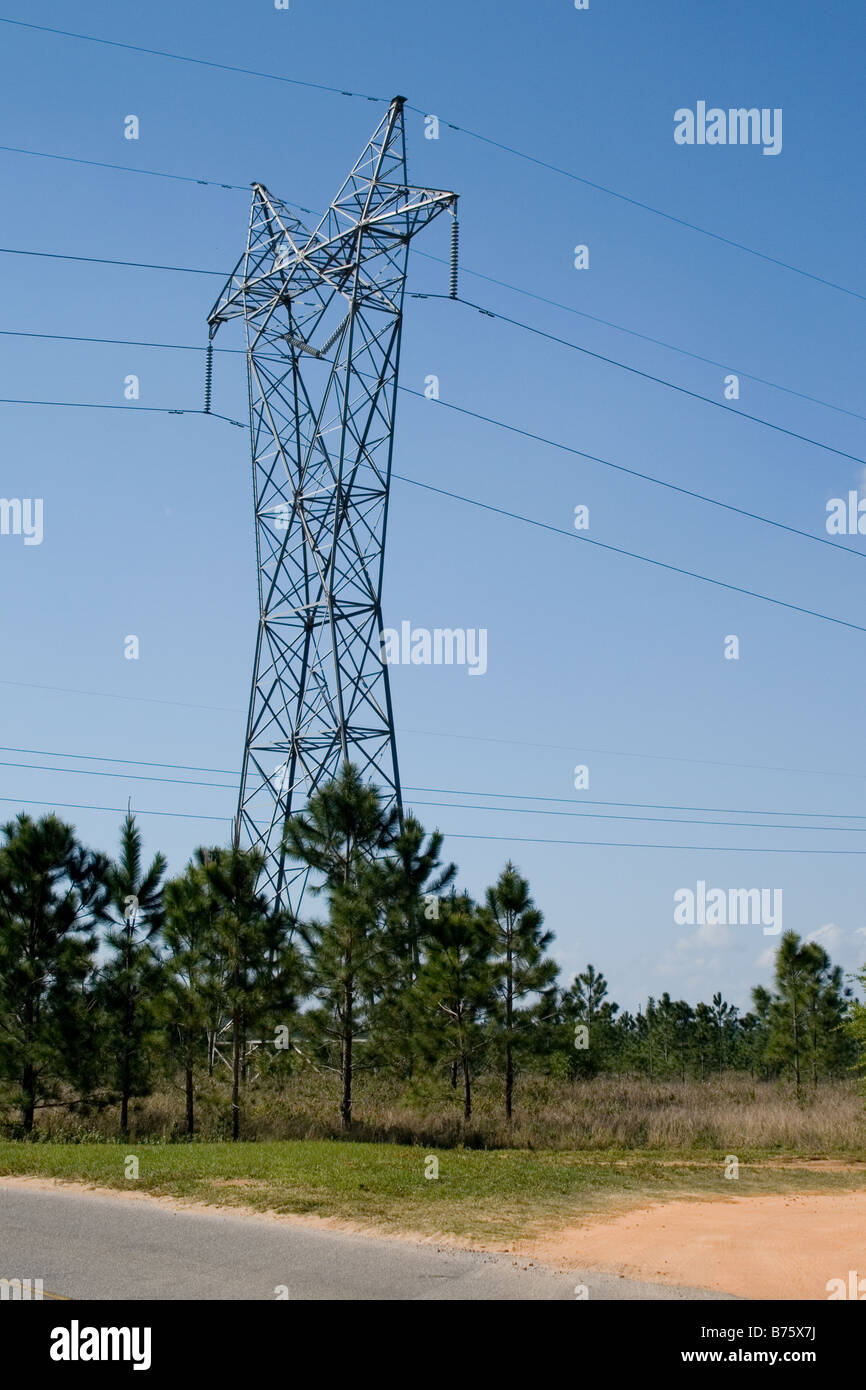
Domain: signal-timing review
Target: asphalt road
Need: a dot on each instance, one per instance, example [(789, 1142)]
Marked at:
[(87, 1246)]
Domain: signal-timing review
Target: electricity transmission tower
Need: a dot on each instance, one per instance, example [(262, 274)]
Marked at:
[(323, 313)]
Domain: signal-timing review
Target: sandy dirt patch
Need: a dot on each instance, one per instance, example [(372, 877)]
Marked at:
[(785, 1246), (757, 1247)]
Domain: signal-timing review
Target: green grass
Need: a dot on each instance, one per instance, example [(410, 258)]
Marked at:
[(492, 1195)]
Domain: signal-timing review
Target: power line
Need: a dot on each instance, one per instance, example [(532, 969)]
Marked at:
[(508, 839), (109, 695), (122, 776), (465, 270), (513, 810), (462, 130), (626, 753), (102, 405), (635, 473), (640, 805), (122, 810), (199, 62), (104, 260), (630, 554), (619, 844), (644, 337), (450, 791), (487, 506), (119, 342), (646, 376), (504, 318), (125, 168), (646, 207), (486, 419), (431, 733), (128, 762), (652, 820)]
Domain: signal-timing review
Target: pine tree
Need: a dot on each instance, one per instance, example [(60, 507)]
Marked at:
[(524, 970), (454, 994), (585, 1005), (344, 832), (408, 885), (191, 996), (855, 1027), (807, 1011), (131, 978), (724, 1018), (259, 965), (52, 892)]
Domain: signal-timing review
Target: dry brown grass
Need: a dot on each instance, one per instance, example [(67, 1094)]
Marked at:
[(733, 1113)]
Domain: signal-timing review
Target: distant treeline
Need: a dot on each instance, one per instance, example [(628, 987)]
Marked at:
[(113, 980)]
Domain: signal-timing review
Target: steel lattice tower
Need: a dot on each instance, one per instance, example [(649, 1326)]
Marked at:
[(323, 312)]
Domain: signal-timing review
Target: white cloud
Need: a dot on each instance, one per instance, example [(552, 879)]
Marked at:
[(712, 937), (829, 936)]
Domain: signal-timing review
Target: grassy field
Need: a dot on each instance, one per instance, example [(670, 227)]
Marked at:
[(493, 1196), (574, 1149), (731, 1114)]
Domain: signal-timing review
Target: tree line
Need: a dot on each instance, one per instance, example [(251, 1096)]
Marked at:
[(113, 978)]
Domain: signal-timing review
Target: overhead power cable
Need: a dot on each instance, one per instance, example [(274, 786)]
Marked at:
[(579, 749), (121, 810), (104, 260), (587, 801), (500, 511), (573, 748), (630, 554), (468, 806), (466, 270), (619, 844), (463, 791), (647, 207), (199, 62), (646, 376), (652, 820), (488, 420), (462, 130), (636, 473), (508, 839), (121, 342), (486, 506), (644, 337), (504, 318), (126, 168), (109, 695), (102, 405)]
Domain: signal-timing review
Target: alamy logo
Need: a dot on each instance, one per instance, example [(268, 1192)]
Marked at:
[(22, 516), (443, 646), (732, 907), (737, 126), (847, 520), (21, 1290), (855, 1288), (77, 1343)]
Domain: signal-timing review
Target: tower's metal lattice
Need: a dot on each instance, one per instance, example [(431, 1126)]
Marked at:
[(323, 314)]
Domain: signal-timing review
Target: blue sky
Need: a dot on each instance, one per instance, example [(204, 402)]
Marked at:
[(594, 658)]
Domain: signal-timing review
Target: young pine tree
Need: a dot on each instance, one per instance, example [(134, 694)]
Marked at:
[(258, 965), (52, 892), (131, 977), (524, 971), (411, 881), (190, 998), (340, 838), (454, 995)]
